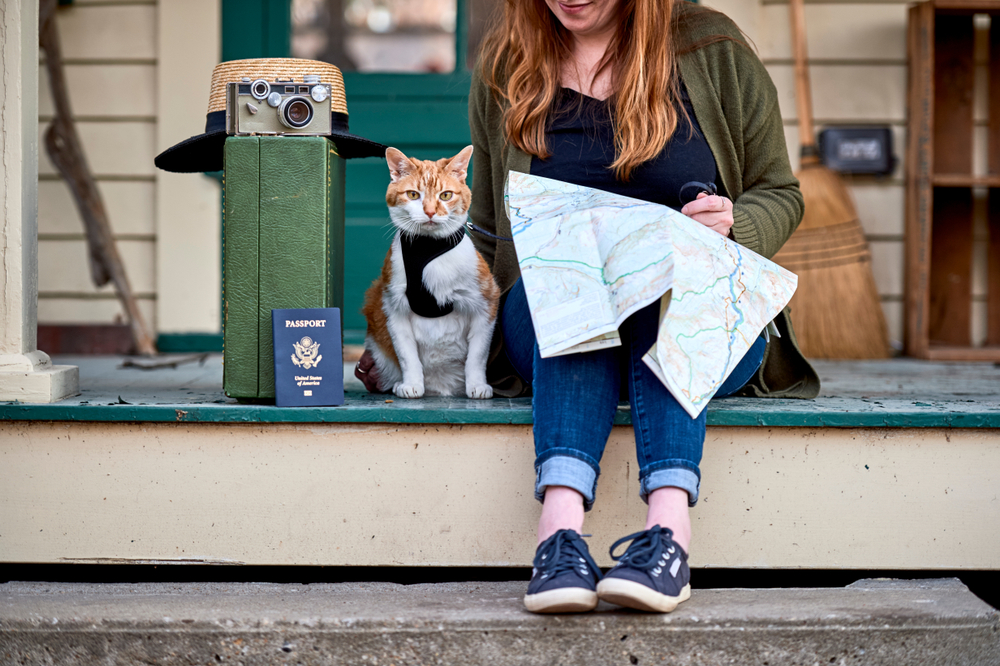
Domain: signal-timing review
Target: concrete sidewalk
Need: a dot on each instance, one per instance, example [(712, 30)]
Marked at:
[(869, 622)]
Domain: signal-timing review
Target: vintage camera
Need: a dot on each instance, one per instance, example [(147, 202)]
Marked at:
[(279, 107)]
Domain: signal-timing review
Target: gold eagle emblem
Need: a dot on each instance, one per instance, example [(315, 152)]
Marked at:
[(306, 353)]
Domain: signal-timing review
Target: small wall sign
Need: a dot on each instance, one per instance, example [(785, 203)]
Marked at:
[(858, 150)]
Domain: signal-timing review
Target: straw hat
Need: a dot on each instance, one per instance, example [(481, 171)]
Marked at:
[(204, 151)]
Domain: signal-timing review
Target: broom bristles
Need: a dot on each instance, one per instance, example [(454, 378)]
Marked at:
[(836, 309), (827, 200)]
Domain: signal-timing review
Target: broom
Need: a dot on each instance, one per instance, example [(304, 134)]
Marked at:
[(836, 309)]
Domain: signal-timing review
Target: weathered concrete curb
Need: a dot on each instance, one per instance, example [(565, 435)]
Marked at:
[(870, 622)]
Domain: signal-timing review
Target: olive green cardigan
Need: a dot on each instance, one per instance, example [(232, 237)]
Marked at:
[(736, 106)]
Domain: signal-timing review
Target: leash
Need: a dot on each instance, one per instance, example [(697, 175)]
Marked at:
[(479, 229), (694, 186)]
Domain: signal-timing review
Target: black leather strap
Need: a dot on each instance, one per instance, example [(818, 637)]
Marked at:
[(418, 251), (690, 191)]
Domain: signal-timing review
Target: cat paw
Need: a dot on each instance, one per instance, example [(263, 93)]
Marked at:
[(481, 392), (403, 390)]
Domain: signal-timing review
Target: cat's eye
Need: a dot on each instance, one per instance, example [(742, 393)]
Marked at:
[(446, 195), (412, 195)]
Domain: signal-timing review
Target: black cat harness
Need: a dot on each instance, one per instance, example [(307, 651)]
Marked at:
[(418, 251)]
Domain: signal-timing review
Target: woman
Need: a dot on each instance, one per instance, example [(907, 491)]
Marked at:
[(636, 97)]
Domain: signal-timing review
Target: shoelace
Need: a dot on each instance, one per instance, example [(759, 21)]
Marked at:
[(562, 554), (647, 549)]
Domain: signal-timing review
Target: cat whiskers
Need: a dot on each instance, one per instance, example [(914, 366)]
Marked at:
[(390, 230)]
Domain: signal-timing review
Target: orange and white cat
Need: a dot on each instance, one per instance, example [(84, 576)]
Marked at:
[(432, 311)]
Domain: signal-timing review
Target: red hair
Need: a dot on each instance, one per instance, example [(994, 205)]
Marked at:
[(522, 57)]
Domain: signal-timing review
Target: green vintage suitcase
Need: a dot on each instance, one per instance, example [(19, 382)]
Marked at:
[(283, 247)]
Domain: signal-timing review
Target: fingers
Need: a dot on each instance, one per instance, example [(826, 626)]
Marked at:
[(706, 203), (713, 211)]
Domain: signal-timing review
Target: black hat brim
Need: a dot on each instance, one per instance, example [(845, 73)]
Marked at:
[(204, 152)]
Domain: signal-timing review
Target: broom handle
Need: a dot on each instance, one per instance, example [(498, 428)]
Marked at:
[(803, 92)]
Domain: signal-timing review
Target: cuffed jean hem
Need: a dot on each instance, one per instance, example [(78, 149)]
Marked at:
[(566, 471), (676, 477)]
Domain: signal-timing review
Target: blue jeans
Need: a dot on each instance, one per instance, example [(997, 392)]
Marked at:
[(575, 398)]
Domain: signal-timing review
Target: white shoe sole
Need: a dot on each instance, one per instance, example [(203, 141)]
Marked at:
[(636, 595), (562, 600)]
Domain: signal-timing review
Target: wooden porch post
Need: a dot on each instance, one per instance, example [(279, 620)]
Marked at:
[(26, 374)]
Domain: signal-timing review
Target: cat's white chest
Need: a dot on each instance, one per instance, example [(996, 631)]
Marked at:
[(442, 345)]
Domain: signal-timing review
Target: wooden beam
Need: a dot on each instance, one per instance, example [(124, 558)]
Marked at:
[(919, 158)]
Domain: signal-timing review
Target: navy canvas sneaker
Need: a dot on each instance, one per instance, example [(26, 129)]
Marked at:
[(564, 576), (651, 575)]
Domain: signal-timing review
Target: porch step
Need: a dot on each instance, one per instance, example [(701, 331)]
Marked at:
[(868, 622)]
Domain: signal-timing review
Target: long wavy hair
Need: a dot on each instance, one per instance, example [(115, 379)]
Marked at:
[(523, 54)]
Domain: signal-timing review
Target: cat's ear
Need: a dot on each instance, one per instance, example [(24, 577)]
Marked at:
[(459, 164), (399, 164)]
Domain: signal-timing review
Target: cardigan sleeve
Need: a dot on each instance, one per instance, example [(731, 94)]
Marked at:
[(481, 210), (770, 206)]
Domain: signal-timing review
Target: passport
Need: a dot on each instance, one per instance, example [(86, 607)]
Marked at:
[(308, 357)]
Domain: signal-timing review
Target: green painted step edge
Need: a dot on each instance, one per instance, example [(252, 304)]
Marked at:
[(188, 343), (374, 409)]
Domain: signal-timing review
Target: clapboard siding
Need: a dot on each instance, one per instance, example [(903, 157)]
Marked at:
[(110, 54), (104, 91), (129, 205), (893, 309), (979, 322), (855, 93), (886, 256), (123, 149), (980, 142), (880, 206), (73, 277), (980, 252), (108, 32), (841, 32), (104, 309)]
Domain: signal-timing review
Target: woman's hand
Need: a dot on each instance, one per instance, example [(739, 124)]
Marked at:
[(366, 372), (712, 210)]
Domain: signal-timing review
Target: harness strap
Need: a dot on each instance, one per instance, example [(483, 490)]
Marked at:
[(418, 251)]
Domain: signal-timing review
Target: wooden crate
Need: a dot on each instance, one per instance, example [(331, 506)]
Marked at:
[(940, 181)]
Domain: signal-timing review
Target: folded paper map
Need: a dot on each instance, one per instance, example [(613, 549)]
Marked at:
[(589, 259)]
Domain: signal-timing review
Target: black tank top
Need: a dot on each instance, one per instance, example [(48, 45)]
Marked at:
[(581, 139)]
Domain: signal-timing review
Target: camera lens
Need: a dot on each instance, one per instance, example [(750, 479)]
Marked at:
[(260, 89), (295, 112)]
